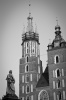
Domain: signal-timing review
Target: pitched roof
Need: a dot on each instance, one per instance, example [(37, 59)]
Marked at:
[(44, 79)]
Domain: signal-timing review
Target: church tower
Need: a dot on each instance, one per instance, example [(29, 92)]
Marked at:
[(57, 66), (30, 67)]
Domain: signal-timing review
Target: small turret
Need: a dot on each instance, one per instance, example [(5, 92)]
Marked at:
[(58, 40), (30, 34)]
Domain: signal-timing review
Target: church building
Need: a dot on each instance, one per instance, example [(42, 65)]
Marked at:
[(34, 84)]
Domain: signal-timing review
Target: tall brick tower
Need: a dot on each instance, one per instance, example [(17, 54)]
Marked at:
[(57, 66), (30, 67)]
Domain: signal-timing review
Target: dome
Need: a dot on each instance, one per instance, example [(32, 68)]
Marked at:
[(57, 27)]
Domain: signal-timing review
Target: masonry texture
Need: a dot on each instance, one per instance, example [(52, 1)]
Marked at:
[(34, 84)]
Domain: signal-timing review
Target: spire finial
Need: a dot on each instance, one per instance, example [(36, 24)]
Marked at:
[(29, 8), (35, 28), (57, 20)]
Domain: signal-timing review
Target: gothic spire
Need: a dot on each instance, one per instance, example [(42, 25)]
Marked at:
[(29, 18)]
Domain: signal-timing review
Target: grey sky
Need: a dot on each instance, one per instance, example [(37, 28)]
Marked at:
[(13, 14)]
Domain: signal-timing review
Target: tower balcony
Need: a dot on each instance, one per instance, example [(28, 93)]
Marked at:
[(30, 36)]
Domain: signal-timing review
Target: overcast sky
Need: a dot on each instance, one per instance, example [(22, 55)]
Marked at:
[(13, 15)]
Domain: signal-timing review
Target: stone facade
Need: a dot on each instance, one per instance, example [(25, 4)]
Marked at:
[(30, 68), (33, 83)]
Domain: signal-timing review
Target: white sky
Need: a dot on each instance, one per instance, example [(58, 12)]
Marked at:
[(13, 14)]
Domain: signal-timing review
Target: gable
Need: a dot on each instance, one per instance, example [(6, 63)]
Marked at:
[(44, 79)]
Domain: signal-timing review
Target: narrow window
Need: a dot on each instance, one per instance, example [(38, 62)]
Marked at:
[(53, 84), (30, 77), (53, 73), (26, 68), (58, 84), (27, 47), (63, 84), (31, 87), (27, 58), (54, 95), (59, 96), (24, 49), (62, 72), (64, 97), (27, 44), (33, 47), (27, 89), (56, 59), (22, 78), (27, 50), (27, 78), (27, 98), (31, 97), (58, 73), (22, 89)]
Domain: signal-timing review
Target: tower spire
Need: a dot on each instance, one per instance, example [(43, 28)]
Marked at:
[(30, 24), (57, 20), (29, 7)]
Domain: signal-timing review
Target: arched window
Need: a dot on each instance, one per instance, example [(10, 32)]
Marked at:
[(58, 84), (43, 95), (33, 47), (56, 59), (27, 88), (26, 68), (27, 58), (58, 72), (27, 47), (27, 98), (27, 78), (59, 96)]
